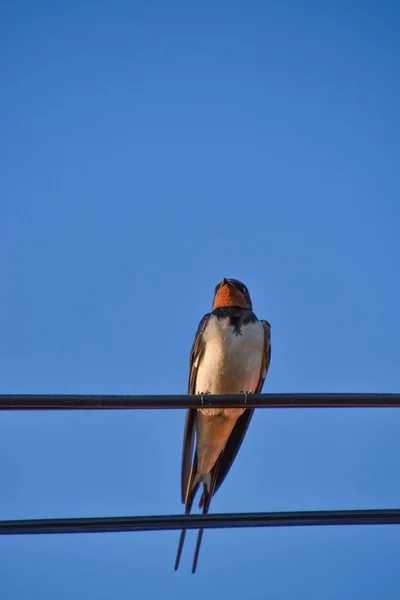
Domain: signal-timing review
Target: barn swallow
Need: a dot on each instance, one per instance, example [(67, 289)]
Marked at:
[(230, 355)]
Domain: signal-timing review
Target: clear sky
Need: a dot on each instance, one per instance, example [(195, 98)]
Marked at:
[(147, 150)]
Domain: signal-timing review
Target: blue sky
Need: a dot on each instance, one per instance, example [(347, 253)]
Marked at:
[(149, 149)]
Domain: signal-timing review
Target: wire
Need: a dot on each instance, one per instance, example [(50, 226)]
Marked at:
[(169, 522), (82, 402)]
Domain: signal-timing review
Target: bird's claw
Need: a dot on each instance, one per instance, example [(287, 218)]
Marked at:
[(201, 395), (246, 395)]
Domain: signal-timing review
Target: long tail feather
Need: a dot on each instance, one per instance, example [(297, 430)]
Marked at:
[(205, 500), (189, 501), (209, 484), (180, 548), (197, 550)]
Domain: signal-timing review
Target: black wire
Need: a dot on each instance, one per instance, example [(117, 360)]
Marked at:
[(82, 402), (168, 522)]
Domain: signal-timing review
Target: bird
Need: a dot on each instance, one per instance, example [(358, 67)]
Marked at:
[(230, 354)]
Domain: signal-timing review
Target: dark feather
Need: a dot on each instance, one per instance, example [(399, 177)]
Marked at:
[(188, 491), (187, 451), (205, 505), (266, 356), (189, 433)]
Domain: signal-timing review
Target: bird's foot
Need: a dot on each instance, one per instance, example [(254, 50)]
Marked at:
[(201, 395), (246, 394)]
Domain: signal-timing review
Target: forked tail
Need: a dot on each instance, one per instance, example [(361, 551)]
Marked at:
[(205, 503)]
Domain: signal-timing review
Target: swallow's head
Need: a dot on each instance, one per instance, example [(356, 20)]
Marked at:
[(231, 292)]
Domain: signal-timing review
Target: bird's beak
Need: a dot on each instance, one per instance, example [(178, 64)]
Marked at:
[(226, 282)]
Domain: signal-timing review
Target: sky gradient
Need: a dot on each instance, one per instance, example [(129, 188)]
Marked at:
[(147, 150)]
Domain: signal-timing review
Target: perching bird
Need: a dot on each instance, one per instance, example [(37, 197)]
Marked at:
[(230, 355)]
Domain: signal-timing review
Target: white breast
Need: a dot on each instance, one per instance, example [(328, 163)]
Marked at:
[(231, 362)]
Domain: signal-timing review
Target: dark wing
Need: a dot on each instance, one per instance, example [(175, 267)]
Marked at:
[(234, 442), (267, 355), (189, 434), (188, 490)]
